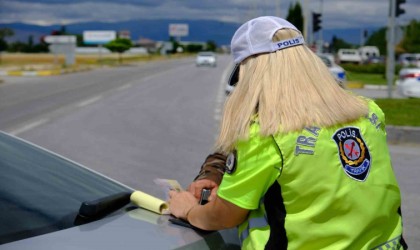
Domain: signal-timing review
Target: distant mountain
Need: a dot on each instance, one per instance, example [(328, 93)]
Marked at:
[(350, 35), (199, 30), (158, 30)]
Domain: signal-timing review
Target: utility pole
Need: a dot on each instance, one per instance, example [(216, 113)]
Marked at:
[(391, 47)]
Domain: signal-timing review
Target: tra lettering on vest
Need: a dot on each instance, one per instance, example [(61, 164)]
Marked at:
[(306, 144), (373, 118)]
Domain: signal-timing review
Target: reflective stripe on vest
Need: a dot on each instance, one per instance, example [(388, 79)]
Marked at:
[(253, 223), (393, 244)]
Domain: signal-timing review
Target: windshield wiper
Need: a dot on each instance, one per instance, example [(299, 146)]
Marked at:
[(96, 209)]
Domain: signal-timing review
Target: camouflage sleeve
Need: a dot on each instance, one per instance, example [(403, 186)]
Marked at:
[(213, 168)]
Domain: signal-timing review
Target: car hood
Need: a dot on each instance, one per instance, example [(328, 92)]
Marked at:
[(131, 229)]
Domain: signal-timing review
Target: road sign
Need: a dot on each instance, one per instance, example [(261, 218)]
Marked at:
[(60, 39), (67, 49), (62, 44), (99, 36), (178, 29)]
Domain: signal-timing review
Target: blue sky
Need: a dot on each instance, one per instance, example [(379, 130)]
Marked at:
[(337, 14)]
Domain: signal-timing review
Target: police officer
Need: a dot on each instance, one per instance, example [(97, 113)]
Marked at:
[(308, 165)]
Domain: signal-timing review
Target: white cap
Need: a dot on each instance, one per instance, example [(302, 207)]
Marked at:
[(256, 36)]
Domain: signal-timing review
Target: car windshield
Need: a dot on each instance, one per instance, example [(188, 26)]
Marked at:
[(42, 192), (205, 54)]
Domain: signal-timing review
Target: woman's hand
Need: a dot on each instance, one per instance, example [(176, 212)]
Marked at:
[(181, 203)]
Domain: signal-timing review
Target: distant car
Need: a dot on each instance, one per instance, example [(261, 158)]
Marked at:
[(376, 60), (408, 83), (409, 60), (206, 58), (338, 72), (49, 202)]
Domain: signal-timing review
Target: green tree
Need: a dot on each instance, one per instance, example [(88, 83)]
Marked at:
[(119, 45), (79, 41), (175, 44), (409, 44), (4, 32), (378, 39), (211, 45), (40, 48), (338, 43), (30, 44), (194, 48), (411, 41), (17, 47), (295, 15)]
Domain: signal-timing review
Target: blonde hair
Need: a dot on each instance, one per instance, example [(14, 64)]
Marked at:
[(288, 90)]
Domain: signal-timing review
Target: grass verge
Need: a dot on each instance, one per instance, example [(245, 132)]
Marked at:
[(401, 112), (366, 78), (29, 62)]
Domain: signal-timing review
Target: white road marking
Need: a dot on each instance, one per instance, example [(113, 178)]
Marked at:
[(221, 96), (123, 87), (29, 126), (88, 101)]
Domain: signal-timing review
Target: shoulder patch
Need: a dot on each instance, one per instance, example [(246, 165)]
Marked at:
[(231, 163), (353, 153)]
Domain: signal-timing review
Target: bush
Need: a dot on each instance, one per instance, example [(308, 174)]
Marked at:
[(368, 68)]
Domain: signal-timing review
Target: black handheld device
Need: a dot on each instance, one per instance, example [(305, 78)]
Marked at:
[(205, 194)]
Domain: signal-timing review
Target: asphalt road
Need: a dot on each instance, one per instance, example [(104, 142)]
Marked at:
[(133, 123), (405, 159), (156, 120)]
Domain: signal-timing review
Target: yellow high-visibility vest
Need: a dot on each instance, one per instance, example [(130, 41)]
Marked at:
[(319, 188)]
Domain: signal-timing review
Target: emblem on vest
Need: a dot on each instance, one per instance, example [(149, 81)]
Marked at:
[(230, 166), (353, 153)]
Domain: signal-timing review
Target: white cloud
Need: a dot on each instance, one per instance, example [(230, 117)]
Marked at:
[(336, 13)]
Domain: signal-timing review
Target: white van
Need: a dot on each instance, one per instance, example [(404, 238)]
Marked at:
[(367, 52), (348, 56)]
